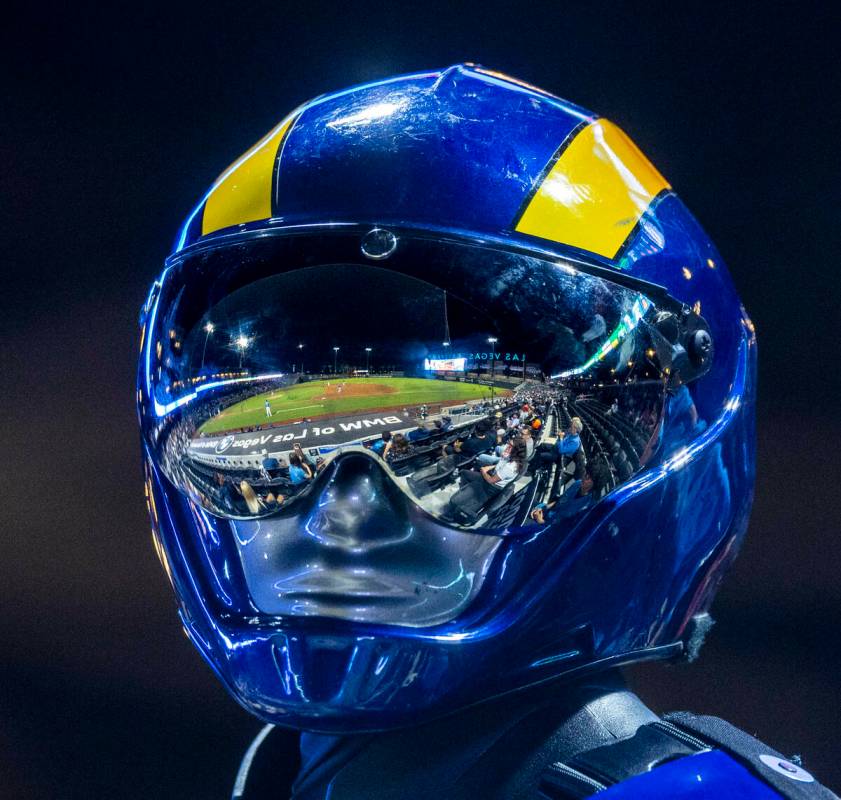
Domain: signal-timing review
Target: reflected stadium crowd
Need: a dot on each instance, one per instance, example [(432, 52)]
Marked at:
[(541, 453)]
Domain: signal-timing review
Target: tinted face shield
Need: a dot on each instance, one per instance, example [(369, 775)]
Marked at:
[(375, 413)]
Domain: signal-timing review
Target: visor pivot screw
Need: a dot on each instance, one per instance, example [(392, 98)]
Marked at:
[(378, 244), (701, 346)]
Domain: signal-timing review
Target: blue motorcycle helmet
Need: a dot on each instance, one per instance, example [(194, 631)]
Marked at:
[(443, 394)]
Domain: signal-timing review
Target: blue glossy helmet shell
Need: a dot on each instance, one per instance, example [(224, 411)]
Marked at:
[(468, 154)]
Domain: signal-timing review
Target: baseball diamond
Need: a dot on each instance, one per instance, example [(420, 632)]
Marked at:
[(337, 397)]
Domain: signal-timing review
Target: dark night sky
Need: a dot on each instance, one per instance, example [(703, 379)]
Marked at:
[(116, 119)]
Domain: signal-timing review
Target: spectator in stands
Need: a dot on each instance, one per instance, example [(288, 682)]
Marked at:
[(397, 448), (525, 435), (578, 496), (570, 440), (252, 501), (568, 444), (273, 502), (299, 471), (454, 448), (446, 424), (379, 446), (228, 495), (305, 458), (485, 459), (479, 442), (479, 487), (419, 433)]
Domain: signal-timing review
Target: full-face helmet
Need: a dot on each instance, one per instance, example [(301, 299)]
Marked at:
[(443, 393)]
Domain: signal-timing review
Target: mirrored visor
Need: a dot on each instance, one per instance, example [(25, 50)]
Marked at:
[(488, 390)]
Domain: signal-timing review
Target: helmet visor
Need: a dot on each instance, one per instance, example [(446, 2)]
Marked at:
[(493, 389)]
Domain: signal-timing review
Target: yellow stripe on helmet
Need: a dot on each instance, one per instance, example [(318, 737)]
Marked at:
[(595, 193), (243, 193)]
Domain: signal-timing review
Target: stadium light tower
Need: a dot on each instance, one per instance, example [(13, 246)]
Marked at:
[(335, 359), (492, 340), (209, 327), (300, 348), (367, 359)]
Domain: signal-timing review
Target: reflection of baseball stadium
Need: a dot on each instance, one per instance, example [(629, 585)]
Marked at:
[(567, 447), (493, 417)]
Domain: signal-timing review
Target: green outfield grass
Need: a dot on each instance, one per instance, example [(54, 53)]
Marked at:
[(317, 399)]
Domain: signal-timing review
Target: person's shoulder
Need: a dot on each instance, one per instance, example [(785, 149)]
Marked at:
[(664, 757)]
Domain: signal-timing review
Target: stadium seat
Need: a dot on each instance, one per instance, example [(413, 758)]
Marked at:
[(433, 477)]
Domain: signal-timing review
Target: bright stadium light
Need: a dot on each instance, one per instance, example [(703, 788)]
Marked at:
[(241, 343), (209, 327), (335, 357), (367, 359)]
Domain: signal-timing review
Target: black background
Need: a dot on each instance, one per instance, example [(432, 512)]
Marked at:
[(115, 120)]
